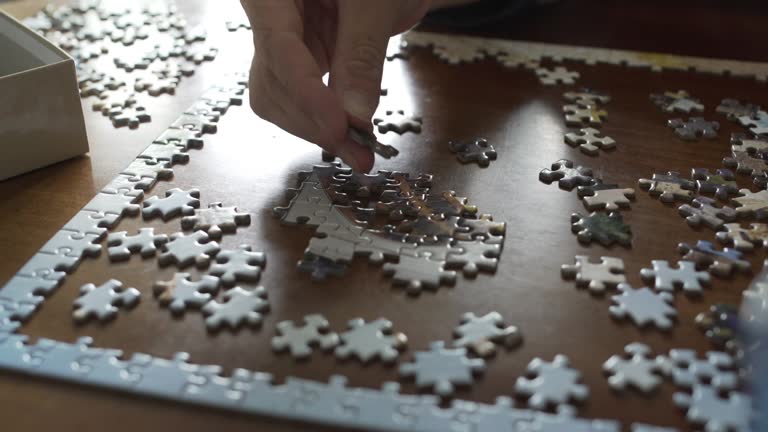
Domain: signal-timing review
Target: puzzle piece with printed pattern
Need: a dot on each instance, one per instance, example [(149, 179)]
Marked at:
[(582, 115), (320, 267), (703, 210), (744, 163), (679, 101), (609, 272), (668, 187), (482, 228), (607, 229), (694, 128), (743, 239), (590, 141), (733, 109), (757, 123), (475, 150), (720, 263), (752, 204), (721, 183), (567, 175), (753, 145), (586, 96)]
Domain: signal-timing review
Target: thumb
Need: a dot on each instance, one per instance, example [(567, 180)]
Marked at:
[(358, 60)]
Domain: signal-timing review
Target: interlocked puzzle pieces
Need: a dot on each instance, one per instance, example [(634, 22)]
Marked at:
[(590, 141), (605, 228), (743, 143), (101, 301), (240, 307), (609, 272), (668, 187), (703, 210), (476, 150), (666, 278), (644, 307), (586, 96), (367, 341), (480, 334), (300, 339), (555, 384), (566, 175), (639, 370), (601, 196), (442, 368), (745, 163), (720, 263), (181, 293), (694, 127)]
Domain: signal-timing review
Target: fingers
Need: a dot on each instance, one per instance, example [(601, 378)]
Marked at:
[(287, 87)]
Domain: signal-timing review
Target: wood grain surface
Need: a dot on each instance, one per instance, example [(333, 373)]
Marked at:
[(250, 163)]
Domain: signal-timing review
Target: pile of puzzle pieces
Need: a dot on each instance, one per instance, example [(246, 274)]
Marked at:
[(423, 235), (125, 52)]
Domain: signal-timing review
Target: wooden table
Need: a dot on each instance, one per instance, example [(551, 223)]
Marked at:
[(250, 163)]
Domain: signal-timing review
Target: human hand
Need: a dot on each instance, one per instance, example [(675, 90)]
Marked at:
[(298, 41)]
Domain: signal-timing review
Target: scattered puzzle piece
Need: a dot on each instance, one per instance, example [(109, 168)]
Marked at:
[(609, 272), (367, 341), (417, 273), (442, 368), (637, 369), (581, 115), (720, 263), (397, 121), (181, 293), (694, 128), (644, 307), (477, 150), (601, 196), (558, 75), (555, 384), (679, 101), (132, 116), (722, 183), (703, 210), (666, 278), (566, 175), (121, 245), (757, 123), (705, 407), (590, 141), (717, 370), (101, 301), (176, 202), (216, 220), (733, 109), (587, 96), (743, 143), (480, 334), (299, 340), (605, 228), (238, 265), (744, 239), (475, 255), (184, 250), (240, 307), (668, 187), (753, 204)]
